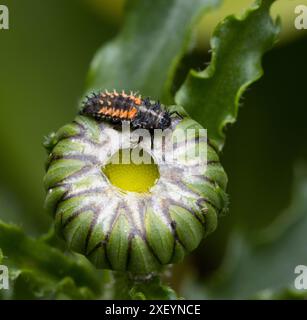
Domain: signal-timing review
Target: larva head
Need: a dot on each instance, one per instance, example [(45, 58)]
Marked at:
[(165, 120), (91, 106)]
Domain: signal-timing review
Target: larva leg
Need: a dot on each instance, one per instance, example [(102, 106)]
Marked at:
[(176, 113)]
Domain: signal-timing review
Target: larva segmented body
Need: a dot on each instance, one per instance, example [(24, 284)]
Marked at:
[(118, 107)]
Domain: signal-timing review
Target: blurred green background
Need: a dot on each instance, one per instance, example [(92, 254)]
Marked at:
[(44, 59)]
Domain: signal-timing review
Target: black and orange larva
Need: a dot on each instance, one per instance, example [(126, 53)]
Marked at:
[(118, 107)]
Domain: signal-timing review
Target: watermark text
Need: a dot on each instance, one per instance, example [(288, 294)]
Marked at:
[(4, 17), (4, 277), (300, 21), (300, 282)]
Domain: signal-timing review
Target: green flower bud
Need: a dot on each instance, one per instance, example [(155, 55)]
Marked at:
[(132, 216)]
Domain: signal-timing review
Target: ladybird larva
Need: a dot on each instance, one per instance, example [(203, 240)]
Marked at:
[(117, 107)]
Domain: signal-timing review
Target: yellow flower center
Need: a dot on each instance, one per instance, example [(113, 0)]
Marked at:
[(123, 173)]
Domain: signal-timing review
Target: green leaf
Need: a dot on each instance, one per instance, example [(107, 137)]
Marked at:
[(264, 268), (29, 284), (40, 271), (130, 287), (238, 44), (144, 56)]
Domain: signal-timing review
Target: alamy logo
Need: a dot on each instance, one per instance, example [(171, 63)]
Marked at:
[(300, 282), (4, 277), (300, 21)]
